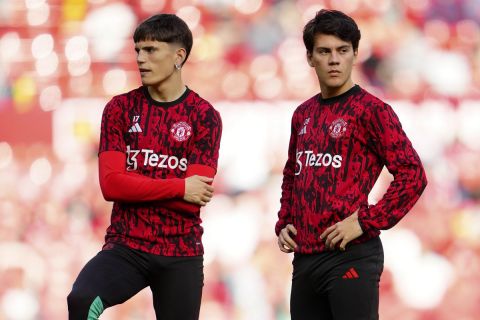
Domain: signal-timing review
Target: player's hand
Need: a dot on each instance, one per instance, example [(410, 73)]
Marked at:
[(285, 241), (342, 232), (198, 190)]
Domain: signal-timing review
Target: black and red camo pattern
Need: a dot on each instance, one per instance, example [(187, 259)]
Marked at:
[(160, 140), (337, 149)]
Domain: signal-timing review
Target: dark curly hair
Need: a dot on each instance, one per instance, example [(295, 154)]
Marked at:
[(331, 22)]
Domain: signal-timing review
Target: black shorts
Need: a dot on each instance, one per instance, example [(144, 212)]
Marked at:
[(115, 275), (338, 285)]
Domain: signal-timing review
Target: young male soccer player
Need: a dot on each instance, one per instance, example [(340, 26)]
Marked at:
[(340, 140), (158, 155)]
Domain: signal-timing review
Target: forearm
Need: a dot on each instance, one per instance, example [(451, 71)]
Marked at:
[(117, 184), (136, 188), (403, 192), (393, 149), (284, 214), (182, 205)]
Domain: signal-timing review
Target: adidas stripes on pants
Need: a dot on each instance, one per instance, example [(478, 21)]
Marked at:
[(338, 285)]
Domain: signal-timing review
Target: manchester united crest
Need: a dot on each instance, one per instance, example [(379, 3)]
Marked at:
[(337, 128), (181, 131)]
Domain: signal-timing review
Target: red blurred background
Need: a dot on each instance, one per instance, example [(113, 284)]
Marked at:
[(60, 61)]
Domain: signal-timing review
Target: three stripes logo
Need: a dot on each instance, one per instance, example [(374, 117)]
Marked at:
[(135, 127), (304, 129), (351, 274)]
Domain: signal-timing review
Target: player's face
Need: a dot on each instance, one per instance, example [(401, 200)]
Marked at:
[(333, 60), (156, 61)]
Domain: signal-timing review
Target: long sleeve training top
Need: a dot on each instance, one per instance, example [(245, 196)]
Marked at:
[(338, 147)]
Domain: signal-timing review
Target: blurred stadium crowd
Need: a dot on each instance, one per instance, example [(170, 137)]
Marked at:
[(61, 60)]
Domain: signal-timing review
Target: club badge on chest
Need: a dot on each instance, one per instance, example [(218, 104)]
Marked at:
[(181, 131)]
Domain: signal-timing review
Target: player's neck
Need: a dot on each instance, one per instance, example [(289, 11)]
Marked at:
[(330, 92), (167, 91)]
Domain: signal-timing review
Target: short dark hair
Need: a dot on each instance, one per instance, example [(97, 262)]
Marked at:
[(331, 22), (165, 28)]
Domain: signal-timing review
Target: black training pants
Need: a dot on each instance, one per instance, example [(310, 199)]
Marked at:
[(338, 285), (115, 275)]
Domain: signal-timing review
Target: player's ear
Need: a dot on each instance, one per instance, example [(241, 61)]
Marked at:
[(309, 58), (355, 55), (180, 56)]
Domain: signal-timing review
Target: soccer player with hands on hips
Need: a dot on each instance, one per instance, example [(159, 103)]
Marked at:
[(340, 140), (158, 156)]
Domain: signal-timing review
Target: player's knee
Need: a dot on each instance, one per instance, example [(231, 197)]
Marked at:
[(77, 298), (82, 303)]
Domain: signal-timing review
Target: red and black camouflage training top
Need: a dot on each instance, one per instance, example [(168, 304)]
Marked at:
[(338, 147), (160, 139)]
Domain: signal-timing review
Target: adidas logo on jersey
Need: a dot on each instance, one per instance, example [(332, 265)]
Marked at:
[(304, 129), (135, 128)]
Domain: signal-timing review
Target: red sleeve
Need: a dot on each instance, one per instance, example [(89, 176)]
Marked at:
[(284, 215), (181, 205), (113, 126), (117, 184), (392, 144), (208, 134)]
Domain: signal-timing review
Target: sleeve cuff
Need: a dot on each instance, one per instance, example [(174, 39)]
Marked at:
[(279, 226), (362, 219), (201, 170)]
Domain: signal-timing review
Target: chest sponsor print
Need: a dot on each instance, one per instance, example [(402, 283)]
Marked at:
[(308, 158), (153, 159)]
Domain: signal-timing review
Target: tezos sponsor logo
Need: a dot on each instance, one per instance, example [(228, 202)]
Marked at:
[(316, 160), (152, 159)]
